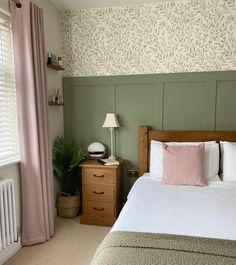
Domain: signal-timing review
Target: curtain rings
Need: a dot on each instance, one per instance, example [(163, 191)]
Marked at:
[(18, 3)]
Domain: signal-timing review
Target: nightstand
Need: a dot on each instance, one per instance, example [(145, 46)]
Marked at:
[(101, 193)]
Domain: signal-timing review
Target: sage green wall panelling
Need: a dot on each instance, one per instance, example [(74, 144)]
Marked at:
[(189, 105), (200, 101), (68, 109), (226, 105), (134, 108), (86, 107)]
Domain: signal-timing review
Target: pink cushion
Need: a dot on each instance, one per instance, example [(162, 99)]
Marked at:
[(183, 165)]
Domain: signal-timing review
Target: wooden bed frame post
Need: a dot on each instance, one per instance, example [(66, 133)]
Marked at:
[(143, 149)]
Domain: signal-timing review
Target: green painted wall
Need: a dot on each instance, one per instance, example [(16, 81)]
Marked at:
[(188, 101)]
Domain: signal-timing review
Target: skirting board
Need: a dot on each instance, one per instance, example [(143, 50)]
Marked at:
[(9, 252)]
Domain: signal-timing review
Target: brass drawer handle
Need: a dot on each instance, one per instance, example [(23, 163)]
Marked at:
[(98, 176), (98, 193), (98, 209)]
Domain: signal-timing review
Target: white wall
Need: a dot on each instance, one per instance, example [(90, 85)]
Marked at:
[(4, 4), (53, 43), (52, 20)]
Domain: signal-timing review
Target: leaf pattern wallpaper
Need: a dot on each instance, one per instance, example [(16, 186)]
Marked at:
[(167, 37)]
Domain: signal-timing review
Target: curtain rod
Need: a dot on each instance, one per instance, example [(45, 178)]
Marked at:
[(18, 3)]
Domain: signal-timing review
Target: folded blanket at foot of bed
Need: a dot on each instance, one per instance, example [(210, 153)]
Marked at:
[(132, 248)]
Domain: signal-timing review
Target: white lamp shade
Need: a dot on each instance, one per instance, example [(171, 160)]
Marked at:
[(111, 121)]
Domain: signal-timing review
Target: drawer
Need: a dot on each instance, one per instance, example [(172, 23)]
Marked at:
[(98, 176), (99, 193), (102, 209)]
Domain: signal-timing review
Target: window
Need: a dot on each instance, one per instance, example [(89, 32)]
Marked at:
[(9, 144)]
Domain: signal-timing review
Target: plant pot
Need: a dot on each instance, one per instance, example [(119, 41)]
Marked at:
[(68, 206)]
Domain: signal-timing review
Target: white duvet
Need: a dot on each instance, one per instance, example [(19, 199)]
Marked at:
[(183, 210)]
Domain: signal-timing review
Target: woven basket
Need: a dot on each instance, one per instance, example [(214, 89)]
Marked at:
[(68, 206)]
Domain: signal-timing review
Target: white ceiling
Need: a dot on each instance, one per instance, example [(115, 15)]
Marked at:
[(81, 4)]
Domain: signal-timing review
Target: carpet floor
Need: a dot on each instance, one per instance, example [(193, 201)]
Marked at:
[(73, 244)]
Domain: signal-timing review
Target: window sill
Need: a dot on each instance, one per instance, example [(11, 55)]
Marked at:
[(9, 162)]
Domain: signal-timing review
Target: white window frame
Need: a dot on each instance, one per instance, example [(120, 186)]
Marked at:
[(9, 135)]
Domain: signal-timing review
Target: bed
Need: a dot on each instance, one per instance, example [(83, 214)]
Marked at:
[(165, 224)]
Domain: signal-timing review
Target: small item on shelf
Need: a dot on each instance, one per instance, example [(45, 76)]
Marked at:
[(51, 99), (61, 101), (49, 58), (54, 59), (59, 61), (54, 62), (108, 162), (55, 98)]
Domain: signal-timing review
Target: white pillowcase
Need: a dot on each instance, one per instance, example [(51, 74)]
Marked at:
[(228, 161), (210, 163)]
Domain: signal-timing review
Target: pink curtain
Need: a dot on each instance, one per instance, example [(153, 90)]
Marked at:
[(31, 87)]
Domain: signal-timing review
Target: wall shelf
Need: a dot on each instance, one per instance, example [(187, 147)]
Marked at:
[(55, 67), (56, 104)]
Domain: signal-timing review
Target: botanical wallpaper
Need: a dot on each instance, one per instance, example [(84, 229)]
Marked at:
[(167, 37)]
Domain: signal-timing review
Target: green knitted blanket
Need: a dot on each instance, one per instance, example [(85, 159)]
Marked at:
[(132, 248)]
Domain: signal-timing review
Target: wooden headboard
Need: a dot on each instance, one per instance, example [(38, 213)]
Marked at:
[(146, 135)]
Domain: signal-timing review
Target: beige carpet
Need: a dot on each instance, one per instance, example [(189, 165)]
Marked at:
[(73, 244)]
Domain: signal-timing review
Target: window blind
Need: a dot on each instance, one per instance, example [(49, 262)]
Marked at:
[(9, 143)]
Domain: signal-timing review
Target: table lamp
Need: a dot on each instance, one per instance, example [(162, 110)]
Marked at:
[(111, 122)]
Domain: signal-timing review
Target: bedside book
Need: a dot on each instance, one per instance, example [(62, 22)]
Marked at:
[(108, 162)]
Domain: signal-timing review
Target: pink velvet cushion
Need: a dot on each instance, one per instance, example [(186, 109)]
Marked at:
[(183, 165)]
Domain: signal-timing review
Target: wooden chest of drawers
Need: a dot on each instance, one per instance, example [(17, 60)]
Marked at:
[(101, 193)]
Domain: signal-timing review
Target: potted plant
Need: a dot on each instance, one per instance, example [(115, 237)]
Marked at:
[(67, 155)]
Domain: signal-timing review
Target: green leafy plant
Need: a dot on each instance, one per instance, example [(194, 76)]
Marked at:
[(67, 155)]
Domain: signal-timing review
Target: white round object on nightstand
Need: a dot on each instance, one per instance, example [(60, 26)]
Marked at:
[(96, 150)]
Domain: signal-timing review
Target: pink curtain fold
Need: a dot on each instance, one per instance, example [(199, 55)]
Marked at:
[(32, 99)]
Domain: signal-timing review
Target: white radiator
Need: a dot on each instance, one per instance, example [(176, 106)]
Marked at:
[(8, 226)]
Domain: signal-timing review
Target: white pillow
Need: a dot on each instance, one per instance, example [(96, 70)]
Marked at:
[(210, 163), (228, 160)]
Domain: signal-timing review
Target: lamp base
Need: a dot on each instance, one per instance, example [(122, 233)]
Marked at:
[(112, 158)]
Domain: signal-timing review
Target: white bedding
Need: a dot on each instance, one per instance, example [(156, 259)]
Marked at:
[(184, 210)]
